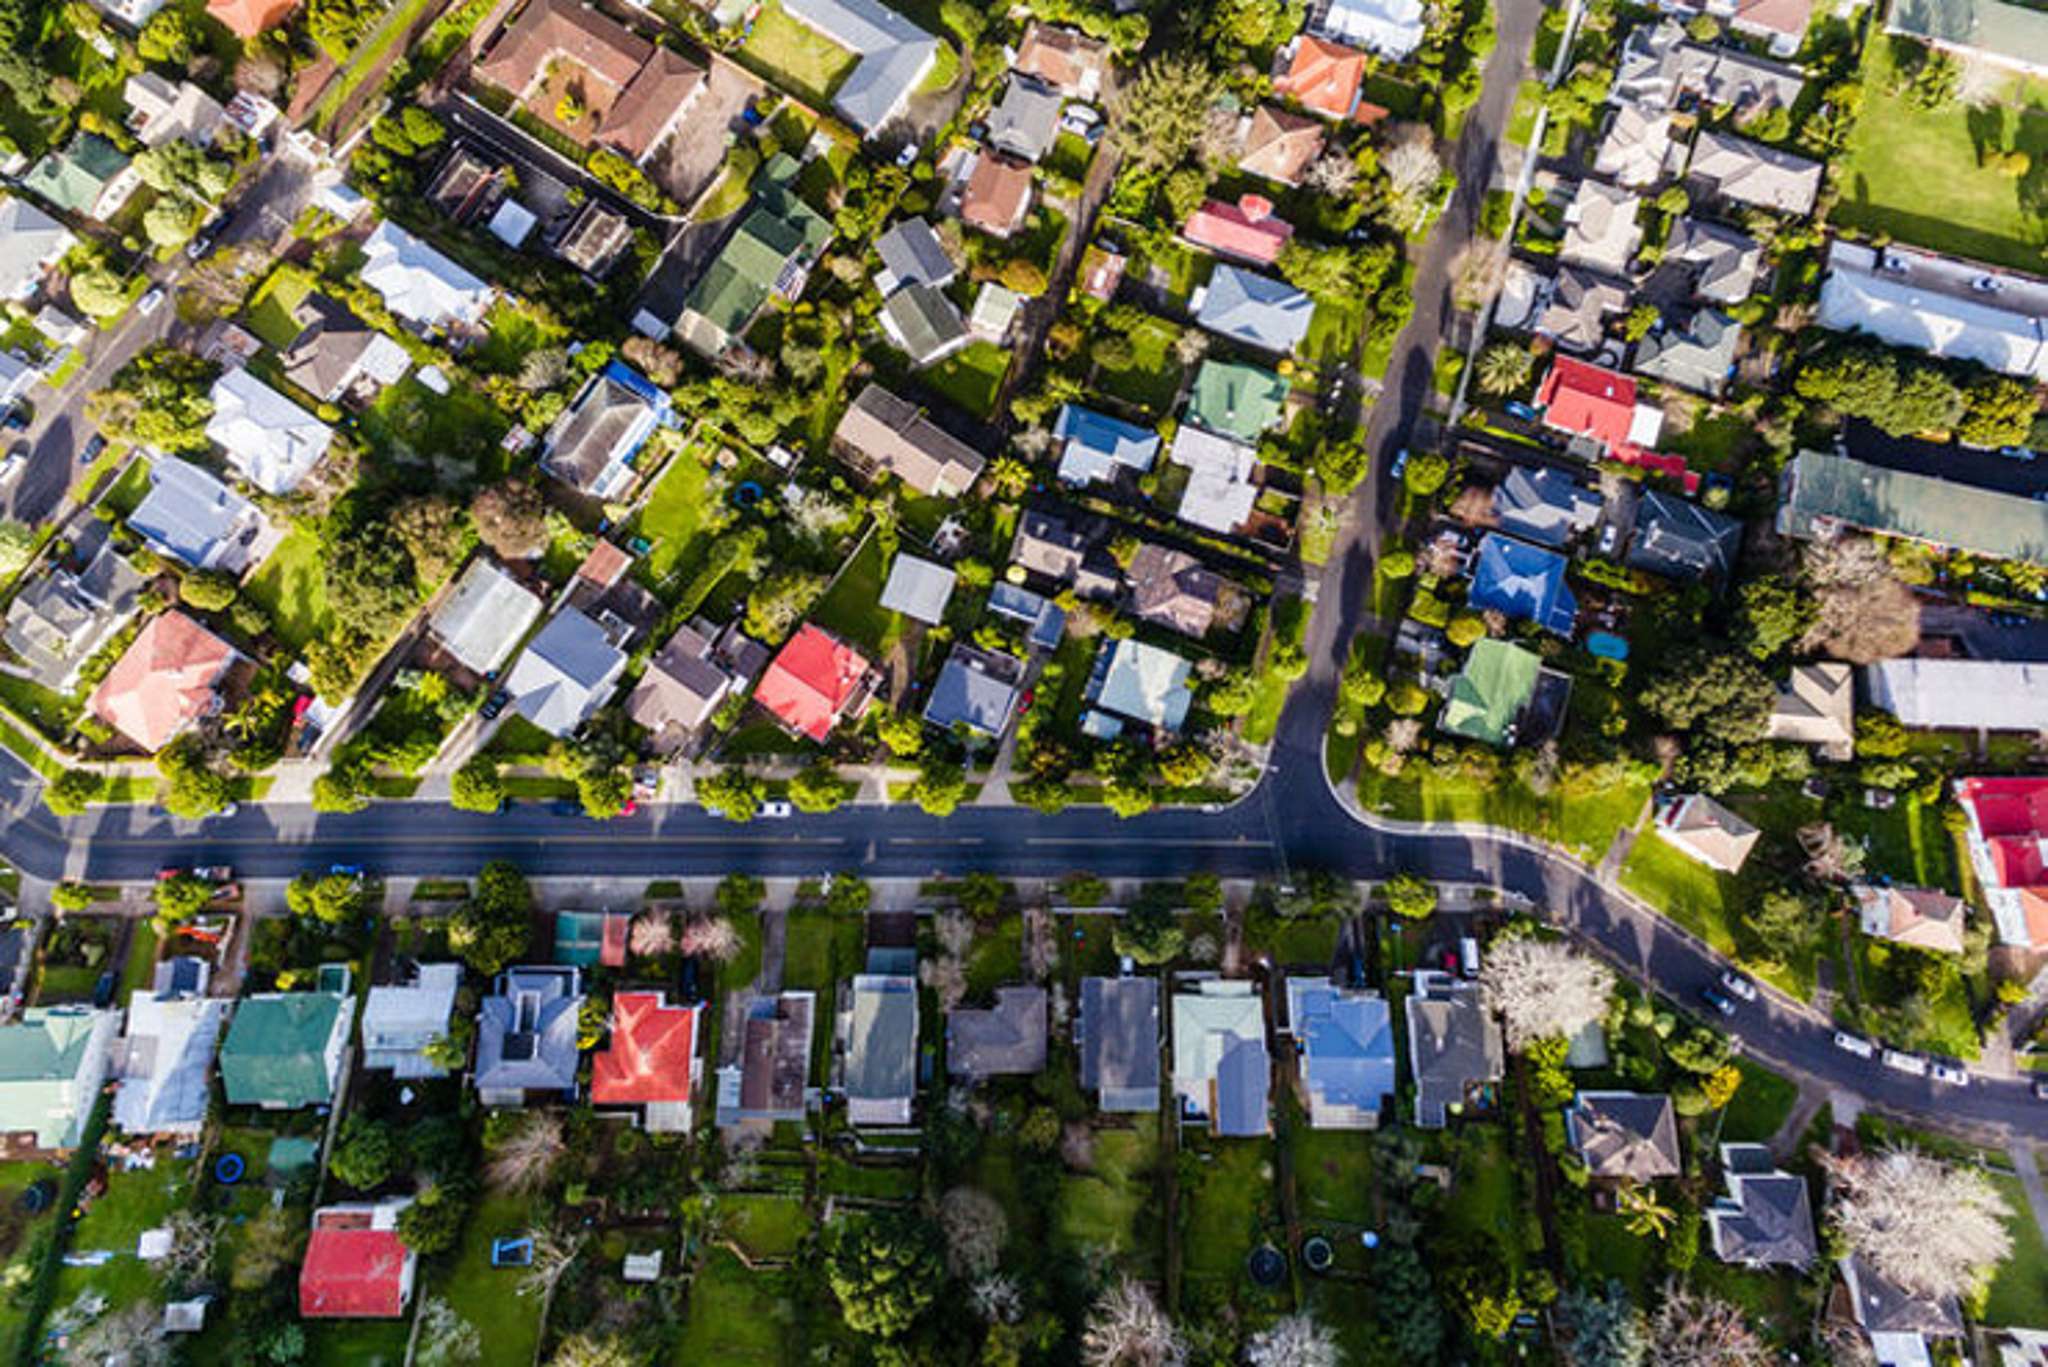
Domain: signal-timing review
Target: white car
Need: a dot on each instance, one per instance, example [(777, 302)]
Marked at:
[(150, 302), (1951, 1073), (1738, 986), (1900, 1061), (1855, 1044), (776, 809)]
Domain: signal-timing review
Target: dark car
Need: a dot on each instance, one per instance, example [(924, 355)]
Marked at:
[(103, 990), (90, 452), (493, 705), (1716, 1000), (17, 418)]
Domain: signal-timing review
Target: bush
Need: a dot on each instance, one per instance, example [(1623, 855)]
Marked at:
[(366, 1153), (70, 792), (207, 591)]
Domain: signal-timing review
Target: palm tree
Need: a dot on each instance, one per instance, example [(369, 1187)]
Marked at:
[(1009, 476), (1504, 368), (1646, 1214)]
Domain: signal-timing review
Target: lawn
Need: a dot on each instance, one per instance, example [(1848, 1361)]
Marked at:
[(736, 1316), (1334, 331), (801, 58), (1152, 379), (766, 1226), (2019, 1293), (410, 424), (1898, 153), (291, 586), (819, 950), (127, 492), (997, 958), (1907, 843), (971, 377), (487, 1296), (1760, 1105), (134, 1201), (512, 333), (1116, 1206), (1482, 1199), (853, 608), (1706, 903), (1223, 1207), (1333, 1178), (1613, 1252), (1586, 825), (672, 515), (140, 969), (270, 314)]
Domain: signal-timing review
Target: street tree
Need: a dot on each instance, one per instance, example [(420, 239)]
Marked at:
[(1409, 896), (477, 786), (1543, 989), (491, 929), (1425, 473), (333, 899)]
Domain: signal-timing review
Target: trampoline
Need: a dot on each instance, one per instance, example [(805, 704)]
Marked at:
[(38, 1196), (1267, 1266), (747, 494), (228, 1169), (1607, 645), (1316, 1253)]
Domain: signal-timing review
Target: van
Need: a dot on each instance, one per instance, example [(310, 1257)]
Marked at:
[(1902, 1062), (1861, 1048), (1468, 956)]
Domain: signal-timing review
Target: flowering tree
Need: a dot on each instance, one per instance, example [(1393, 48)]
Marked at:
[(1932, 1228), (1544, 988), (1126, 1328)]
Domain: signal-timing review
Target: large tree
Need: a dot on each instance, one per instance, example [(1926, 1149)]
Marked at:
[(1159, 114), (491, 929), (1698, 1329), (1126, 1328), (1543, 989), (1713, 690), (1863, 611), (1932, 1228), (511, 518), (885, 1270)]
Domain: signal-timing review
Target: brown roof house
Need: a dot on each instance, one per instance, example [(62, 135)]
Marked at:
[(1920, 918), (166, 680), (998, 195), (466, 184), (1173, 589), (1817, 706), (884, 434), (634, 92), (689, 678), (1627, 1136), (1007, 1039), (1066, 59), (1701, 828), (1279, 145), (768, 1081)]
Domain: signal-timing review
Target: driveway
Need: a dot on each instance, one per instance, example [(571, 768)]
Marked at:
[(690, 159)]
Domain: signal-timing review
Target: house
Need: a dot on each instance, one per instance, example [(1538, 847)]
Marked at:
[(160, 112), (356, 1265), (192, 518), (1004, 1040), (1243, 231), (912, 254), (919, 589), (1043, 622), (995, 312), (769, 1080), (163, 1062), (1919, 918), (997, 195), (1957, 310), (595, 239), (1749, 173), (1489, 694), (250, 19), (337, 354), (1766, 1217), (401, 1019), (1660, 68), (526, 1041), (1816, 705), (815, 681), (1523, 582), (1143, 683), (2007, 837), (1254, 309), (1598, 404), (168, 678), (1346, 1042), (90, 177), (977, 689), (467, 183), (1543, 504), (894, 55), (1324, 78), (1454, 1046), (31, 242), (133, 13), (1697, 354), (590, 939), (1680, 539), (1221, 1072), (1172, 589), (1897, 1321), (1576, 308), (1637, 150), (1025, 120), (1063, 59), (566, 672), (1723, 264), (485, 618), (1702, 829), (883, 434), (53, 1061), (283, 1050), (924, 324), (879, 1029), (1391, 29), (1820, 493), (637, 92), (1094, 446), (419, 285), (1975, 695), (690, 678), (1066, 553), (651, 1061), (592, 445), (1220, 492), (1279, 146), (1236, 400), (2000, 32), (1781, 23), (60, 619), (270, 441), (1625, 1136), (1600, 228), (1118, 1040)]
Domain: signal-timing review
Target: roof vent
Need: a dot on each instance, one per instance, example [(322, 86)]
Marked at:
[(1255, 208)]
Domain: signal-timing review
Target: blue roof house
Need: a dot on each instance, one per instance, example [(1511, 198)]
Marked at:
[(1346, 1041), (1523, 582), (1094, 446)]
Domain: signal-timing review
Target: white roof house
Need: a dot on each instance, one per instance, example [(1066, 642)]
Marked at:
[(1976, 695), (164, 1062), (30, 243), (1958, 310), (198, 521), (483, 621), (1600, 228), (1220, 492), (159, 112), (418, 283), (918, 588), (401, 1020), (134, 13), (1391, 28), (565, 674), (1144, 683), (270, 441)]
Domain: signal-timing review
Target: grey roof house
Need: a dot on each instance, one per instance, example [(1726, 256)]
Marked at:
[(1697, 354), (689, 677), (565, 673), (917, 588), (1454, 1045), (1766, 1217), (894, 54), (1065, 552), (196, 520), (924, 324), (401, 1019), (527, 1034), (1004, 1040), (62, 618), (883, 433), (1254, 309), (879, 1036), (336, 352), (976, 689), (1025, 121), (1545, 505), (1171, 588), (1576, 308), (1750, 173), (163, 1062), (1628, 1136), (1118, 1039), (1222, 1074), (912, 254), (486, 616), (1882, 1307), (1680, 539), (1724, 264)]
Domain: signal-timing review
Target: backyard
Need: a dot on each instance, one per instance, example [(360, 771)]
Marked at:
[(291, 586), (485, 1295), (671, 516), (804, 60), (971, 377), (1151, 381), (1115, 1206)]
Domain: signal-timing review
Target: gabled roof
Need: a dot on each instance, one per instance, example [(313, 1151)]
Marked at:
[(1817, 706), (1766, 1219), (1279, 145), (565, 673), (1923, 918), (1680, 539), (881, 1052), (977, 689), (1589, 400), (1882, 1306), (1577, 307), (1454, 1044), (163, 682), (1545, 505), (1119, 1042), (777, 232), (1236, 400), (1094, 446), (1699, 826), (646, 85), (356, 1266), (1727, 262), (165, 1061), (1958, 310), (997, 194), (774, 1062), (60, 619), (1025, 120), (1601, 232), (418, 283), (1173, 589), (1220, 492), (1751, 173), (526, 1032), (813, 680), (1063, 550), (1220, 1064), (277, 1049), (652, 1056), (595, 239), (1697, 354), (272, 441), (1637, 149), (918, 588), (30, 243), (334, 348), (74, 179), (912, 254), (1005, 1040), (1245, 231), (1821, 490), (1064, 58), (1146, 684), (895, 55), (1347, 1047), (1527, 583), (683, 685), (400, 1019), (486, 616), (1391, 28), (926, 324), (194, 518), (248, 19), (52, 1062), (1323, 76), (895, 435), (592, 444), (1989, 695), (1625, 1134), (1489, 693), (1256, 309)]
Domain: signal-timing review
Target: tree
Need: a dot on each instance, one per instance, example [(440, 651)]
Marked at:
[(164, 396), (347, 786), (1425, 473), (1297, 1340), (17, 544), (739, 894), (98, 293), (712, 938), (1543, 989), (1863, 611), (334, 899), (511, 518), (1504, 368), (207, 590), (435, 533), (975, 1228), (491, 929), (477, 786), (1786, 924), (779, 602), (1642, 1212), (819, 788), (181, 897), (885, 1272), (848, 894), (733, 793), (1126, 1328), (179, 169), (172, 221), (588, 1349), (1603, 1327), (940, 788), (1320, 272), (1409, 896), (1932, 1228), (1772, 615), (1997, 411), (1695, 1329), (366, 1153), (166, 38), (1157, 117), (604, 791), (192, 788), (72, 791), (445, 1338), (522, 1162), (1149, 932), (1464, 629), (1718, 692), (1413, 171)]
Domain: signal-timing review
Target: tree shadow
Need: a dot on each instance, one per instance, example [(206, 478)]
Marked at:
[(2031, 137), (1986, 123)]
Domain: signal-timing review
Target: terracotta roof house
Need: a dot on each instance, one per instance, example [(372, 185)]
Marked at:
[(769, 1080), (651, 1061), (878, 1038), (1346, 1044), (1065, 59), (270, 441), (1026, 119), (689, 678), (1278, 145), (1004, 1040), (283, 1049), (2008, 843), (526, 1041), (881, 433), (1244, 231), (637, 92), (1173, 589), (1221, 1071), (815, 681), (595, 239), (1750, 173), (1257, 310), (1454, 1046), (1781, 23), (1920, 918), (356, 1266), (485, 618), (1766, 1217), (1816, 706), (31, 242), (53, 1062), (248, 19), (1322, 77), (1701, 828), (997, 195), (1118, 1039), (1624, 1135), (168, 678)]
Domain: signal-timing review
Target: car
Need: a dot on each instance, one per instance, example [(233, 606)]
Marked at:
[(103, 990), (1717, 1001), (215, 873), (494, 704), (2041, 1089), (1898, 1060), (1400, 462), (168, 872), (1952, 1073), (346, 870), (1855, 1044), (90, 452), (1610, 539), (1522, 412), (907, 156), (12, 466), (777, 809), (202, 245), (1738, 985), (17, 418), (2017, 452), (150, 302)]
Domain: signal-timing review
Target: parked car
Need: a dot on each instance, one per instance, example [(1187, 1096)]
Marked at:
[(1610, 539), (1953, 1074), (90, 452), (103, 990), (215, 873), (150, 302), (1400, 462), (2016, 452), (354, 871), (1855, 1044), (494, 704), (12, 466), (1900, 1061), (1738, 985), (2041, 1089), (17, 418), (776, 809), (1717, 1001)]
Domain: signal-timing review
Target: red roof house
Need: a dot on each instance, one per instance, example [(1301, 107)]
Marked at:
[(356, 1266), (248, 19), (1245, 230), (815, 680), (2008, 840), (1588, 400), (651, 1061), (1324, 77), (167, 679)]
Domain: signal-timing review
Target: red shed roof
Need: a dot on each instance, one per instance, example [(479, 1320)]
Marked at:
[(1246, 230), (652, 1048), (812, 681), (352, 1270)]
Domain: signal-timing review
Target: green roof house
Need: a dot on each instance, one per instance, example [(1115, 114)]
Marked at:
[(1822, 492), (769, 255), (1490, 692), (1236, 400), (91, 177), (283, 1051), (52, 1062)]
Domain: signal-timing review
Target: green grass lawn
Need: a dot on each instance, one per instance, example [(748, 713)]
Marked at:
[(1224, 1207), (819, 950), (1760, 1105), (359, 1343), (487, 1296), (1612, 1251), (1898, 154), (1116, 1206), (735, 1316), (1152, 380), (1333, 1177), (126, 493), (292, 587), (853, 608), (1586, 825), (410, 424), (767, 1226), (140, 969), (519, 741), (1334, 332), (1709, 904), (1723, 442), (1482, 1198), (997, 957), (134, 1201), (270, 312), (1907, 843), (808, 63), (2019, 1291), (514, 332), (971, 377), (672, 515)]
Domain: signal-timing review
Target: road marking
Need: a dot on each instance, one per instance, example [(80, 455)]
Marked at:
[(938, 840), (1240, 843)]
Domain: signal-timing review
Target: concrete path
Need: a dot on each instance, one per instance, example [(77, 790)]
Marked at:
[(1785, 1143), (2030, 1178)]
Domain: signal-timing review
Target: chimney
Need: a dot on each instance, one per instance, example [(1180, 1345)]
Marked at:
[(1255, 208)]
